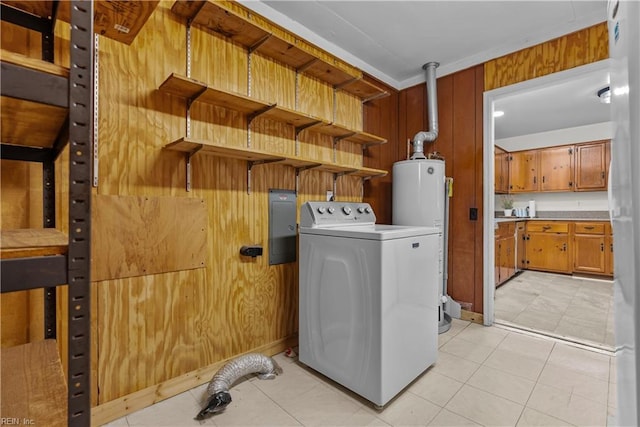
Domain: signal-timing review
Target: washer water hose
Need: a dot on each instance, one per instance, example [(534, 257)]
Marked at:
[(218, 389)]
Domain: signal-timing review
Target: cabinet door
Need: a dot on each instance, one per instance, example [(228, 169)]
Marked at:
[(591, 167), (589, 253), (501, 172), (523, 171), (497, 263), (556, 168), (521, 260), (548, 252), (608, 250)]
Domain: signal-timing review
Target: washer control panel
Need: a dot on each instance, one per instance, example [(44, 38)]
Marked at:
[(319, 214)]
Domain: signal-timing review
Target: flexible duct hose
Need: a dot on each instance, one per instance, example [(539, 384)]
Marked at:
[(223, 380)]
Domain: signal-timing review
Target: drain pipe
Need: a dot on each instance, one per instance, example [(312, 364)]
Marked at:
[(432, 111)]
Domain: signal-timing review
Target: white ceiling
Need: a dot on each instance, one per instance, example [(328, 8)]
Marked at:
[(391, 40)]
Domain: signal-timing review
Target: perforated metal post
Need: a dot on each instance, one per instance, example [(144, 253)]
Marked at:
[(79, 256)]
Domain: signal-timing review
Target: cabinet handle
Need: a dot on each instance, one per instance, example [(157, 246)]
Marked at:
[(564, 247), (611, 247), (589, 227), (570, 184), (535, 180), (546, 227), (601, 247), (602, 174)]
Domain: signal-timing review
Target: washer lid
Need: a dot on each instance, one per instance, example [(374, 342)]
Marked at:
[(371, 231)]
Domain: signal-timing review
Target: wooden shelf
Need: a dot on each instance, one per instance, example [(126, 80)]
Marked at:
[(197, 91), (220, 20), (33, 384), (192, 146), (32, 242), (116, 19), (27, 120)]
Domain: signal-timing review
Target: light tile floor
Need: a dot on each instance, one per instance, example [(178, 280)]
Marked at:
[(489, 376), (563, 306)]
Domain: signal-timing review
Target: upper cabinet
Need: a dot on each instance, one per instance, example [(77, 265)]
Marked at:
[(556, 168), (575, 167), (523, 171), (592, 166), (501, 167)]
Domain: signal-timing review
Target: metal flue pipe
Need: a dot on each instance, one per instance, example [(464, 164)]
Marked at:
[(432, 111)]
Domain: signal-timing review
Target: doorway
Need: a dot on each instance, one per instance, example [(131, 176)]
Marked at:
[(570, 305)]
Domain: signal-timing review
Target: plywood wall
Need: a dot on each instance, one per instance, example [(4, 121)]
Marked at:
[(153, 328), (573, 50)]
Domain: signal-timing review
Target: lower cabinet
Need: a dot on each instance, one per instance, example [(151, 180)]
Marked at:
[(569, 247), (548, 246), (589, 248)]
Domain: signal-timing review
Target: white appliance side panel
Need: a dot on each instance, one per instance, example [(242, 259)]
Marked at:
[(409, 311), (418, 193), (339, 310)]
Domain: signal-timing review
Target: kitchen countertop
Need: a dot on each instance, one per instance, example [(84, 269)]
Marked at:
[(558, 216)]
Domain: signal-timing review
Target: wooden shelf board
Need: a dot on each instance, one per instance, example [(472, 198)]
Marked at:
[(369, 172), (207, 147), (30, 242), (365, 90), (232, 101), (365, 138), (116, 19), (226, 23), (291, 117), (190, 145), (33, 384), (217, 19), (33, 63), (30, 123), (285, 52), (182, 86)]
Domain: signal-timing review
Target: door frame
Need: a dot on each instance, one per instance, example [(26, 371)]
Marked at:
[(489, 100)]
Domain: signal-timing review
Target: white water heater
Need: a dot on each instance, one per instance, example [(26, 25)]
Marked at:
[(420, 199)]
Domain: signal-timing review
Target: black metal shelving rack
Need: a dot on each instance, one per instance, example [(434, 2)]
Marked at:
[(72, 268)]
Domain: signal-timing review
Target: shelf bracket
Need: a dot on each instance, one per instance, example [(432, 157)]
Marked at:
[(299, 129), (188, 157), (251, 117), (346, 83), (336, 140), (252, 163), (259, 43), (374, 97), (304, 67)]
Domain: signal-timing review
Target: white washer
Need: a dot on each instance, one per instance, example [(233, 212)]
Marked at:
[(368, 298)]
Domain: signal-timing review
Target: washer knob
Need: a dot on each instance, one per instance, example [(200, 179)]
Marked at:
[(368, 209), (361, 209), (346, 210), (331, 209), (322, 210)]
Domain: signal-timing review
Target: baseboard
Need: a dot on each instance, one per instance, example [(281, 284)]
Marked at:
[(471, 316), (140, 399)]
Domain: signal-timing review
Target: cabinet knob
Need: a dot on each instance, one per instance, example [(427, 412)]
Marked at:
[(601, 247)]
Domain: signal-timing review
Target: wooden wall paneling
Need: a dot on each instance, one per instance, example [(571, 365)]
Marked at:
[(137, 236), (478, 303), (380, 117), (569, 51)]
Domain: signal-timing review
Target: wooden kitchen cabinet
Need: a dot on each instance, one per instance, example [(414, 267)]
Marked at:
[(589, 248), (548, 246), (556, 168), (592, 166), (523, 171), (505, 252), (501, 166), (521, 255), (608, 247)]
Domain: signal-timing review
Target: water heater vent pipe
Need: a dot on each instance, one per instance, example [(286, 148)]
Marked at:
[(432, 111)]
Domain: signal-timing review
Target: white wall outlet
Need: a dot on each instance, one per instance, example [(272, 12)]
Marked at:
[(329, 195)]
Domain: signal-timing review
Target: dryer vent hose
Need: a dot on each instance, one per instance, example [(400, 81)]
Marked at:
[(223, 380)]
